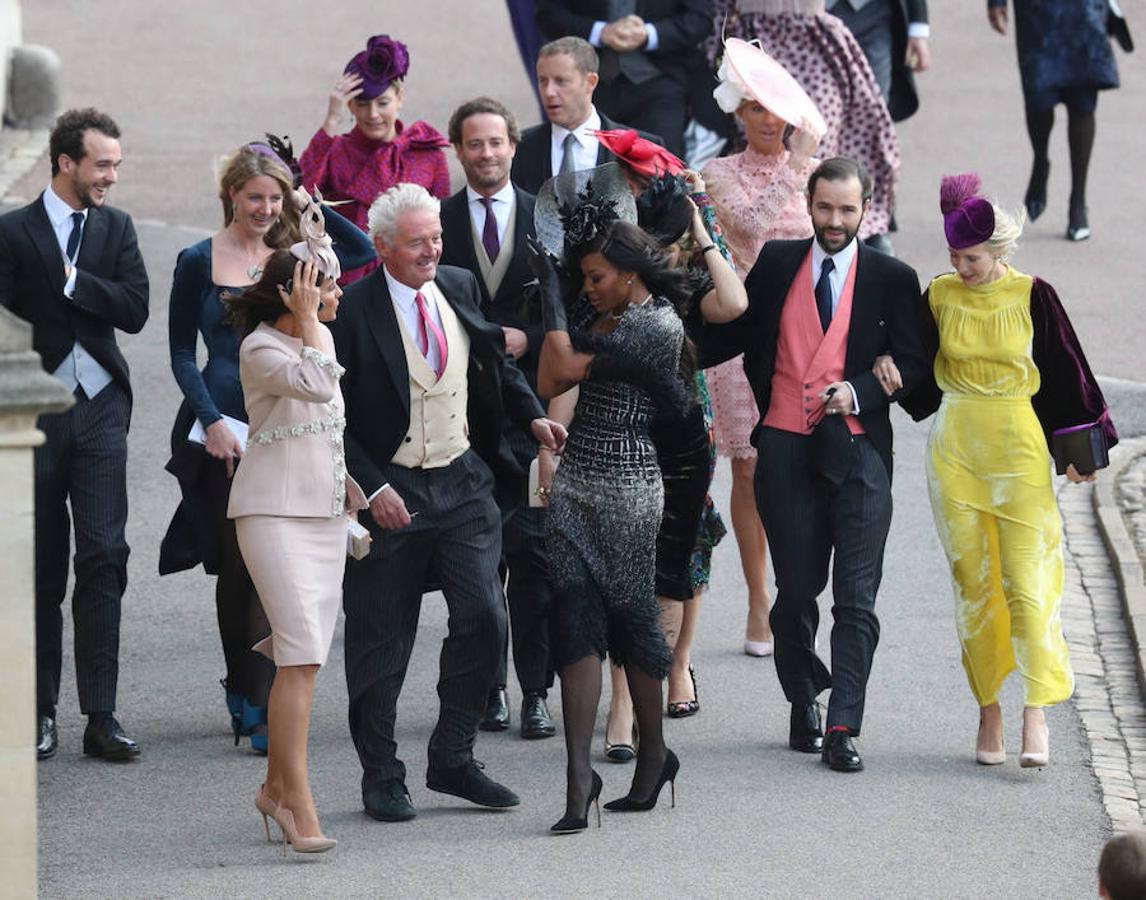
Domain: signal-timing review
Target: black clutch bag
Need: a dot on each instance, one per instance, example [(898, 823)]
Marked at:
[(1117, 28), (1082, 445)]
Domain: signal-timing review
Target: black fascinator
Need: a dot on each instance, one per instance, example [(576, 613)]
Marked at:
[(574, 208), (664, 210)]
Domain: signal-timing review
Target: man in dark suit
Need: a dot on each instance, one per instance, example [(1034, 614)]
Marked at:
[(428, 388), (820, 312), (484, 229), (70, 265), (894, 35), (566, 79), (645, 48)]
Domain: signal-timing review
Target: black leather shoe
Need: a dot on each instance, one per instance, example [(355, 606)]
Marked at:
[(496, 716), (105, 738), (840, 753), (804, 732), (47, 740), (470, 783), (388, 801), (535, 719)]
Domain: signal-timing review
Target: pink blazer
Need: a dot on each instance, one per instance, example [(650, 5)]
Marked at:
[(294, 464)]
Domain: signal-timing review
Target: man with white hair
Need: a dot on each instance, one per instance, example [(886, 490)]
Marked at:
[(428, 388)]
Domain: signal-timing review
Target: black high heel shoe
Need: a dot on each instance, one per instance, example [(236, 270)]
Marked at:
[(1079, 227), (570, 825), (668, 773), (1036, 197)]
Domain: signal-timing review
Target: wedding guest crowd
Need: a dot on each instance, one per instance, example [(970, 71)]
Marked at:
[(520, 398)]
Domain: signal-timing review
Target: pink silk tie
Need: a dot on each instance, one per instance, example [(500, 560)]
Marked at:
[(427, 325)]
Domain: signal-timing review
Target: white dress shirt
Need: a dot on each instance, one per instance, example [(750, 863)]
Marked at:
[(79, 368), (502, 206), (585, 147), (842, 261)]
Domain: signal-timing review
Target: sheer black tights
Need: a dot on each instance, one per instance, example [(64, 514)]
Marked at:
[(1081, 128)]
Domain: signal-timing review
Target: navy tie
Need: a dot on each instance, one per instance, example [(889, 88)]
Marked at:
[(824, 293), (74, 237)]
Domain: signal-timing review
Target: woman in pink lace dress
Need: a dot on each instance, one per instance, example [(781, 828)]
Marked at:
[(824, 57), (379, 151), (759, 196)]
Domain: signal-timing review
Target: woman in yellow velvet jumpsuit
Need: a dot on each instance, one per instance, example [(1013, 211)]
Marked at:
[(988, 466)]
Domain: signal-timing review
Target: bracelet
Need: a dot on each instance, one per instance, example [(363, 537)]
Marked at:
[(544, 449), (709, 247)]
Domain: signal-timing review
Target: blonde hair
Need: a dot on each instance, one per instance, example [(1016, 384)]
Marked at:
[(1004, 240), (246, 163)]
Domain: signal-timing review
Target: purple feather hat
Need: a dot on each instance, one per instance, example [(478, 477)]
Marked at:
[(968, 219), (383, 62)]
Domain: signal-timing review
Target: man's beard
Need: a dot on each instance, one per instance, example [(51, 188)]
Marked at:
[(822, 237)]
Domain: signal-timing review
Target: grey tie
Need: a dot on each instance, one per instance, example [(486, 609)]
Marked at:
[(568, 164)]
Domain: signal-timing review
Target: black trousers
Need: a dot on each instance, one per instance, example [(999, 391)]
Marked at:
[(530, 598), (658, 106), (82, 467), (455, 542), (808, 517)]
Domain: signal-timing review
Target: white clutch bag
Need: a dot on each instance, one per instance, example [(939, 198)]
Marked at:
[(535, 498), (357, 539)]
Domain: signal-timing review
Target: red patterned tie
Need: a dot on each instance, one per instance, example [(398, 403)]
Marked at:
[(427, 326)]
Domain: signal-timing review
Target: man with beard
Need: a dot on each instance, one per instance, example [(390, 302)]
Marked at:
[(820, 311), (485, 226), (70, 265)]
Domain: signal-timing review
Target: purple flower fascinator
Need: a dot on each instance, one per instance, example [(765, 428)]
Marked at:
[(968, 219), (383, 62)]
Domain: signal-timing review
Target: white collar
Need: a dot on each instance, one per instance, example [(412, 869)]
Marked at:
[(841, 259), (57, 209), (505, 195), (402, 293), (581, 132)]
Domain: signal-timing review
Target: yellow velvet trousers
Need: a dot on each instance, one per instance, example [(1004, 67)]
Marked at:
[(998, 521)]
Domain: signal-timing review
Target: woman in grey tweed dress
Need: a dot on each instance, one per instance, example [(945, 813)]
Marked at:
[(607, 497)]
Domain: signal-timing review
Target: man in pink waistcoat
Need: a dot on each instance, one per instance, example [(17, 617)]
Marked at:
[(819, 313)]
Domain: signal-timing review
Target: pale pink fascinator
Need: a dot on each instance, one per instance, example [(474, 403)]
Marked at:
[(748, 73), (316, 245), (968, 218)]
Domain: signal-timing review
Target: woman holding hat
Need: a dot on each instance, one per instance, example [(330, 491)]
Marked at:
[(824, 57), (1008, 372), (380, 151), (290, 501), (759, 196), (260, 214)]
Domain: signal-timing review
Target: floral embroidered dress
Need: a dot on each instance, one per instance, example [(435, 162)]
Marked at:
[(352, 167), (758, 198)]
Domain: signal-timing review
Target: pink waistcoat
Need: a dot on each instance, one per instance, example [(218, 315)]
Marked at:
[(807, 360)]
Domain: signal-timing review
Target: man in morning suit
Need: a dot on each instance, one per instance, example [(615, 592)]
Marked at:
[(566, 79), (894, 36), (484, 229), (428, 388), (646, 50), (819, 313), (70, 265)]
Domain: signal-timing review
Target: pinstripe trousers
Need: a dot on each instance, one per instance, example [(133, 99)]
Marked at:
[(82, 465), (454, 542), (808, 517)]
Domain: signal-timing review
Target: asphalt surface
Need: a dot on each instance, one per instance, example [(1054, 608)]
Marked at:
[(752, 818)]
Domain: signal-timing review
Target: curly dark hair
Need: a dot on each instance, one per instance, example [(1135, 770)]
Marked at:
[(261, 302), (67, 138)]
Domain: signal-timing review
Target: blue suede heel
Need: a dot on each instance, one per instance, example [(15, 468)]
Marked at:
[(235, 708), (254, 724)]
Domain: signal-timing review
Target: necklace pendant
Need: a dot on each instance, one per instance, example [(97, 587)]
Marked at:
[(254, 271)]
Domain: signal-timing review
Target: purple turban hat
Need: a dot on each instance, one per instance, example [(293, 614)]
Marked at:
[(968, 219), (383, 62)]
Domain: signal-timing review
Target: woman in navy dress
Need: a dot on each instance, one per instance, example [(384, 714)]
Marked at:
[(1064, 57)]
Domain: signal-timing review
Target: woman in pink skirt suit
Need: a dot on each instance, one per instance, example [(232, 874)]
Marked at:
[(290, 500), (759, 196)]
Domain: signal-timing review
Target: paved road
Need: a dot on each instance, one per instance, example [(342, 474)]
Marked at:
[(753, 818)]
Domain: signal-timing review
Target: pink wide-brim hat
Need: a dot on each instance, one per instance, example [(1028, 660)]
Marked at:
[(758, 76)]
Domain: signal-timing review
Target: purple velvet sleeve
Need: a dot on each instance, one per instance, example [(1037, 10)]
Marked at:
[(1069, 394)]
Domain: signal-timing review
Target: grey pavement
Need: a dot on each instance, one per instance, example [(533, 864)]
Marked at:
[(752, 817)]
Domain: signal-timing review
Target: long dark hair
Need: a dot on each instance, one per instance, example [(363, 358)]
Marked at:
[(630, 249), (261, 302)]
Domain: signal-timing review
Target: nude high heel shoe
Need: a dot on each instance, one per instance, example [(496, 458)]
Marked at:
[(299, 843), (1035, 759), (267, 807), (989, 757)]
